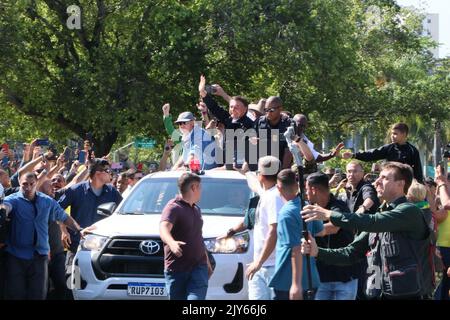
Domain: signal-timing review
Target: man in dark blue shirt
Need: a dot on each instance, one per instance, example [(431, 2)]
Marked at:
[(85, 197), (27, 244)]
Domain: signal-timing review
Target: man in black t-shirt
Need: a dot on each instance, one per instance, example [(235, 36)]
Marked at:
[(270, 129), (336, 282), (400, 150), (361, 195)]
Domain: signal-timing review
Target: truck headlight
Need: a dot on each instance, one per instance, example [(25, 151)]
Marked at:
[(235, 244), (93, 242)]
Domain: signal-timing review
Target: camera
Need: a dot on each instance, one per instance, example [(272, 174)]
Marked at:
[(210, 89)]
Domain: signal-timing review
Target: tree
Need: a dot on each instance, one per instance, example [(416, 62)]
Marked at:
[(108, 78), (339, 61)]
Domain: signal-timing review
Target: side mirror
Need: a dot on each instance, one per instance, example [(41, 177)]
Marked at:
[(106, 209)]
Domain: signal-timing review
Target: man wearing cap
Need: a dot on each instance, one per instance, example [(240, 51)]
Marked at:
[(196, 142), (260, 271), (84, 198)]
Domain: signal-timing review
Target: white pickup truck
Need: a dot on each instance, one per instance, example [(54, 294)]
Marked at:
[(124, 258)]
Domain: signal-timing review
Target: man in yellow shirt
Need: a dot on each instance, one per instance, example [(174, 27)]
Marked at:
[(443, 241)]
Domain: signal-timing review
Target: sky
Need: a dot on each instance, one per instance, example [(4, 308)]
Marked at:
[(436, 6)]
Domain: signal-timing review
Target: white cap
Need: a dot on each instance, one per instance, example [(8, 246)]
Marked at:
[(269, 165)]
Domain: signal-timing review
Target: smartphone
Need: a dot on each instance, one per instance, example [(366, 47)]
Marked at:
[(82, 157), (210, 89), (42, 142), (67, 153)]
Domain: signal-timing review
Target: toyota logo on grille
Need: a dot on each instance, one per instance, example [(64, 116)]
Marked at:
[(149, 247)]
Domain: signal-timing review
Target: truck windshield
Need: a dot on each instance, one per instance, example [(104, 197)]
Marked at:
[(219, 196)]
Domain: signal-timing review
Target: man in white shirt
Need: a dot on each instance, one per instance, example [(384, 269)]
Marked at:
[(260, 271)]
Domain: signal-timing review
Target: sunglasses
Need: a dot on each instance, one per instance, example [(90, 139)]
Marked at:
[(273, 109), (105, 170)]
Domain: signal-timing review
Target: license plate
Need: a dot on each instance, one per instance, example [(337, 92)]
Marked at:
[(147, 289)]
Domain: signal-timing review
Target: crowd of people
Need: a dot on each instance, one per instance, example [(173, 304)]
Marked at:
[(382, 235), (371, 235)]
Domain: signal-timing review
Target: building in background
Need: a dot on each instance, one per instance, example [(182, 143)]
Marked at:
[(431, 29)]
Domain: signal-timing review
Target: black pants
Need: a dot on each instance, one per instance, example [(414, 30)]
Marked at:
[(26, 279), (57, 275), (68, 272), (3, 255)]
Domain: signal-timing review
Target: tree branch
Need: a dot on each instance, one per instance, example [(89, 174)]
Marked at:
[(32, 111), (98, 28)]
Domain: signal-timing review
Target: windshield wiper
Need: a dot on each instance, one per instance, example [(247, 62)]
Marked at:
[(131, 213)]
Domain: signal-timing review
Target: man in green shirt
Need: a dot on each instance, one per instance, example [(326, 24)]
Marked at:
[(174, 134), (397, 239)]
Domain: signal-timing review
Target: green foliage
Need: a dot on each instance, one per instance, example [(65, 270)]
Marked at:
[(345, 66)]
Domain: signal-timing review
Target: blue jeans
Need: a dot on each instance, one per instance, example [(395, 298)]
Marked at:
[(258, 287), (337, 290), (187, 285)]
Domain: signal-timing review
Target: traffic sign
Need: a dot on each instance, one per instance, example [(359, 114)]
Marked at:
[(144, 143)]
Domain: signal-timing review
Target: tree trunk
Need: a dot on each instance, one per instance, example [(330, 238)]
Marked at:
[(103, 145)]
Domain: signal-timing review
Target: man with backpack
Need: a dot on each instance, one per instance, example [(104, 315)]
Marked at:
[(397, 238)]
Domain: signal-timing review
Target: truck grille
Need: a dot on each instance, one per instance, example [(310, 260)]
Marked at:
[(125, 257)]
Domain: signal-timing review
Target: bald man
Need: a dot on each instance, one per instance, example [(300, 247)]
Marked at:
[(270, 129)]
